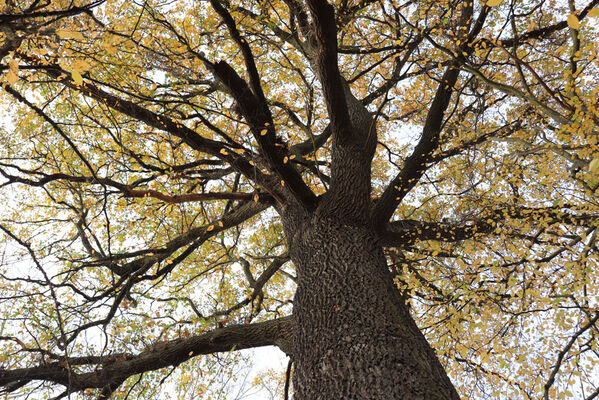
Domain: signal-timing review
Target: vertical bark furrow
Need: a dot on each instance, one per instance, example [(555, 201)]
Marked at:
[(349, 194), (355, 338)]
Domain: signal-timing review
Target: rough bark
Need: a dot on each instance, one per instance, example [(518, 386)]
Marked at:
[(355, 338)]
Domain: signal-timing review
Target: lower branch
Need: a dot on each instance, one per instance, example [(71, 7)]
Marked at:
[(114, 370)]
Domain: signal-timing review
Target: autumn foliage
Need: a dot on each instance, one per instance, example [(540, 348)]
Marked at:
[(147, 151)]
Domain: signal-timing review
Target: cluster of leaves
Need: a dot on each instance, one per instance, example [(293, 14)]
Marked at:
[(138, 202)]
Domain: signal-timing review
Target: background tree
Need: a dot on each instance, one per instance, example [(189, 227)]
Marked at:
[(186, 178)]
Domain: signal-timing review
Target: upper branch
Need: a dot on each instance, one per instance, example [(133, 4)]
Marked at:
[(254, 107), (323, 16), (29, 14), (263, 129), (406, 232), (248, 57), (543, 32), (131, 191), (151, 118), (415, 165)]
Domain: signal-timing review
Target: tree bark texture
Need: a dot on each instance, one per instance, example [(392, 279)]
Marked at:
[(355, 338)]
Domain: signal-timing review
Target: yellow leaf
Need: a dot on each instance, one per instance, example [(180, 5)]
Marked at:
[(210, 228), (109, 48), (593, 165), (256, 198), (594, 13), (81, 66), (223, 151), (77, 77), (573, 21), (66, 34), (264, 132), (11, 78), (494, 3), (13, 66)]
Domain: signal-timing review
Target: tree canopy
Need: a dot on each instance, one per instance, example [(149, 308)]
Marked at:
[(148, 148)]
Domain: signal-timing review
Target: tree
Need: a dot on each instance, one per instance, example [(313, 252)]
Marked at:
[(349, 181)]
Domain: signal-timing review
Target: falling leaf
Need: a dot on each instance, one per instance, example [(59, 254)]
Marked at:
[(264, 132), (573, 21), (13, 72), (11, 78), (66, 34), (210, 228), (109, 48), (494, 3), (81, 66), (77, 77), (13, 66)]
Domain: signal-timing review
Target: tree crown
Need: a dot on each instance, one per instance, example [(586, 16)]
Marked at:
[(150, 150)]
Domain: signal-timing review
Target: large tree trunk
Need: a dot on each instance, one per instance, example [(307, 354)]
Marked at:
[(355, 338)]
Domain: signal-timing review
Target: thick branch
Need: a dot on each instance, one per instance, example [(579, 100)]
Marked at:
[(544, 32), (325, 31), (408, 231), (163, 354), (263, 129), (415, 165), (248, 57), (194, 237), (184, 198), (189, 136), (130, 191)]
